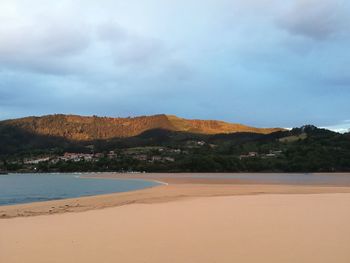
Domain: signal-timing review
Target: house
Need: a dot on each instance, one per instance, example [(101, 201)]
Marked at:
[(279, 152), (111, 155), (140, 157), (36, 161), (156, 158), (99, 155), (76, 157), (249, 155), (169, 159)]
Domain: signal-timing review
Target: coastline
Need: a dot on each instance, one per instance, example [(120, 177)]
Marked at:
[(269, 228), (183, 220), (173, 187)]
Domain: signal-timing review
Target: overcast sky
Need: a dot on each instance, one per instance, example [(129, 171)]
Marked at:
[(258, 62)]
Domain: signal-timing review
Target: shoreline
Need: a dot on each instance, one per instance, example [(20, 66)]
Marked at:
[(214, 178), (345, 173), (172, 188), (183, 220)]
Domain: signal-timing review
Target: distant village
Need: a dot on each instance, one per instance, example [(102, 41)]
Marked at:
[(319, 150), (144, 154), (93, 157), (130, 159), (271, 154)]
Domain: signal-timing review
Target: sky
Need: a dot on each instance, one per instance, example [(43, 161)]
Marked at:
[(266, 63)]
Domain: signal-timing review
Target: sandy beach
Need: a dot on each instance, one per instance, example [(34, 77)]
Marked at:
[(260, 228), (183, 220)]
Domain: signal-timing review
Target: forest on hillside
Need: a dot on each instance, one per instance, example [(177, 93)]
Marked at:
[(305, 149)]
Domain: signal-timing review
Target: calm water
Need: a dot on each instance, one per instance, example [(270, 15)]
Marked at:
[(27, 188)]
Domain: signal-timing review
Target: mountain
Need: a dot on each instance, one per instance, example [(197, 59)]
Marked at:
[(164, 143), (81, 128)]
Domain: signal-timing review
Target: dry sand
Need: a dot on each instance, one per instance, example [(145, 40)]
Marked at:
[(251, 228), (190, 220)]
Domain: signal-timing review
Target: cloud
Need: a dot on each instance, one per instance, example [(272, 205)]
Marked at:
[(318, 20), (41, 44), (129, 49), (264, 63), (342, 127)]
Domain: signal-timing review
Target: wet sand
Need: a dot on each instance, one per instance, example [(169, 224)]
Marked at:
[(173, 187), (313, 179), (250, 228)]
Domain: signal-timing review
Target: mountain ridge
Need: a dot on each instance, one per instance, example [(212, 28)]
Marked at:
[(85, 128)]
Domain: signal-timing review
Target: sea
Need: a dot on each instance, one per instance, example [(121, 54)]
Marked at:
[(28, 188)]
